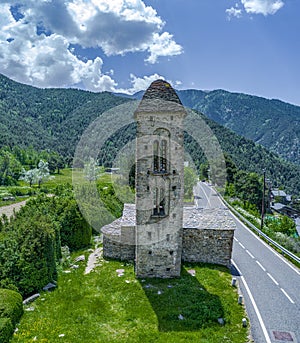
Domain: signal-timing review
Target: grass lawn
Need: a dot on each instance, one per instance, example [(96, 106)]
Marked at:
[(65, 176), (102, 307)]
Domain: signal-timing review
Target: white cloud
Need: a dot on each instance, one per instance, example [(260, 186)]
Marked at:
[(142, 83), (46, 60), (264, 7), (163, 45), (233, 12)]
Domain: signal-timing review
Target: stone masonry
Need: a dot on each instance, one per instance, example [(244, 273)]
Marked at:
[(157, 232), (207, 236)]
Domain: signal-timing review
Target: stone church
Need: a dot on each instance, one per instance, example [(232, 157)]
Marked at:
[(158, 232)]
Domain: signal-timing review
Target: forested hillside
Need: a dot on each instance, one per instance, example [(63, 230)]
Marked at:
[(48, 118), (56, 118), (271, 123)]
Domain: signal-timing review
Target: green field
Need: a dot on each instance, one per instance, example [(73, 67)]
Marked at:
[(102, 307)]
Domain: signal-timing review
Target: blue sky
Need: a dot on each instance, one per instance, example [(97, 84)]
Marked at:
[(249, 46)]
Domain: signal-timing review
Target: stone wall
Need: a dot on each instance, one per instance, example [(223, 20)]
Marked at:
[(199, 245), (116, 250), (207, 245)]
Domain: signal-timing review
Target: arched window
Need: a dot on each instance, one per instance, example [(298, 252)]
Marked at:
[(160, 202), (156, 156), (156, 202), (161, 148), (163, 156)]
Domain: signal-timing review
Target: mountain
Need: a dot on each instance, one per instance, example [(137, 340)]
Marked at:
[(48, 118), (271, 123), (56, 118)]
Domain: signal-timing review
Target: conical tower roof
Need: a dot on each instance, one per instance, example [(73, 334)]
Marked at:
[(160, 97), (162, 90)]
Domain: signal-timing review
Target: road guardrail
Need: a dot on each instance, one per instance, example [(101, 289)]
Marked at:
[(283, 250)]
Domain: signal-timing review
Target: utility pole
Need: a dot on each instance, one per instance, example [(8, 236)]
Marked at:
[(263, 201)]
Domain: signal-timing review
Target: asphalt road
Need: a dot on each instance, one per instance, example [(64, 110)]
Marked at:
[(269, 283)]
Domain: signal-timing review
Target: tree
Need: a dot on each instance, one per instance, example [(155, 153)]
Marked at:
[(55, 161), (37, 175), (204, 171), (10, 168), (190, 180), (29, 176), (249, 188), (43, 172), (91, 171)]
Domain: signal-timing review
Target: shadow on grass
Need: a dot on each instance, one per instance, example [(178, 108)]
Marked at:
[(182, 304)]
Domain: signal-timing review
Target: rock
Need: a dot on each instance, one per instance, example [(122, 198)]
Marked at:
[(221, 321), (180, 317), (159, 292), (192, 272), (120, 272), (75, 266), (30, 299), (29, 309), (80, 258), (50, 287)]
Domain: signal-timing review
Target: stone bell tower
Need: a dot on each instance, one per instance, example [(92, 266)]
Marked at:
[(159, 182)]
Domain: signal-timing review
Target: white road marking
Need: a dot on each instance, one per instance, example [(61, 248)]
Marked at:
[(260, 240), (262, 324), (241, 245), (235, 239), (208, 201), (266, 245), (271, 277), (285, 293), (261, 266), (249, 253)]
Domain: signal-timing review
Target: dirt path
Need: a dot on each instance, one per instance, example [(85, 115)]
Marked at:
[(9, 209)]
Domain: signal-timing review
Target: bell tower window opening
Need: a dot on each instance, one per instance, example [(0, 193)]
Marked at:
[(163, 156), (156, 156), (159, 202), (161, 151)]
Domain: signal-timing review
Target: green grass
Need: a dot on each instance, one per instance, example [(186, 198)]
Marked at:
[(102, 307)]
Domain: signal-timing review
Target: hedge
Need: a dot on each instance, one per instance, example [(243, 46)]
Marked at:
[(6, 330), (11, 305)]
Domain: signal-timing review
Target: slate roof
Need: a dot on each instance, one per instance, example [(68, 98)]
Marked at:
[(193, 218), (160, 97), (161, 89), (278, 193)]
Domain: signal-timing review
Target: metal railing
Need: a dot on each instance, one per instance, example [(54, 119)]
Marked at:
[(283, 250)]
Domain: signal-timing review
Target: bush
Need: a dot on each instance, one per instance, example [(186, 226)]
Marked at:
[(11, 305), (6, 330), (75, 232), (21, 191)]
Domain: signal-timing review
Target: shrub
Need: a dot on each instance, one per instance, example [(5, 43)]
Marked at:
[(21, 191), (6, 330), (11, 305), (75, 231)]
